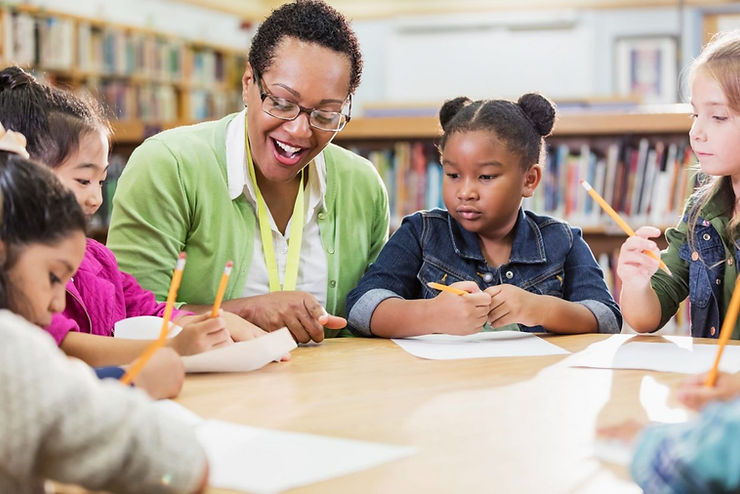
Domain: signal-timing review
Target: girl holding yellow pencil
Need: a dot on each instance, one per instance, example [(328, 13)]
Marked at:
[(702, 252), (515, 267)]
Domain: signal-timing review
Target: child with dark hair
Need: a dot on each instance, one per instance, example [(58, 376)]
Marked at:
[(300, 217), (516, 267), (70, 135), (57, 420)]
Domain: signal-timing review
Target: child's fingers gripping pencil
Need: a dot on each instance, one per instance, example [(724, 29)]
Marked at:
[(446, 288), (727, 326), (623, 224), (140, 362), (221, 289)]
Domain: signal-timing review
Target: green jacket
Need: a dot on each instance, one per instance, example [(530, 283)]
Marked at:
[(173, 196)]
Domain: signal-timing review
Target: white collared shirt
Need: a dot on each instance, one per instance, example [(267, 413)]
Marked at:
[(312, 266)]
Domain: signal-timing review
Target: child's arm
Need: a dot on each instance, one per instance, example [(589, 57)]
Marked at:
[(698, 456), (200, 334), (390, 301), (446, 313), (639, 302), (511, 304)]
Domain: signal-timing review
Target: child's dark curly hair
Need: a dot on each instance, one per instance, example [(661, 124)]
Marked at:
[(521, 125), (311, 21)]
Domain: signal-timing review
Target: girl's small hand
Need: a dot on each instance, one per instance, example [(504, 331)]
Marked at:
[(243, 330), (634, 267), (200, 333), (695, 395), (240, 329), (460, 314), (163, 375), (625, 432), (511, 304)]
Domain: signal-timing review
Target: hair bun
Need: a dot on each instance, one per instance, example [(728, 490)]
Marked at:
[(14, 76), (450, 108), (540, 111)]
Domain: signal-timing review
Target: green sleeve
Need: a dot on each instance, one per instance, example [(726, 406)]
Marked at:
[(151, 216), (672, 289), (381, 224)]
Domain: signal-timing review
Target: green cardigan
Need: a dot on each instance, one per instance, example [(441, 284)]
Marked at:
[(173, 196)]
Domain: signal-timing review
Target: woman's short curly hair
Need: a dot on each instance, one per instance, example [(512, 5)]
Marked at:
[(311, 21)]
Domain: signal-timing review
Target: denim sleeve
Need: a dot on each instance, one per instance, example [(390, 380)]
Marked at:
[(584, 284), (699, 456), (393, 274)]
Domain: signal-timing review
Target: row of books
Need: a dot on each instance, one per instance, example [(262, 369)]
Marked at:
[(646, 180), (60, 43)]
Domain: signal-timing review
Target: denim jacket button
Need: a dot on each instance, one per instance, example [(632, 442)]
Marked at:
[(718, 281), (707, 236), (694, 256), (712, 331), (487, 277), (509, 274), (730, 262)]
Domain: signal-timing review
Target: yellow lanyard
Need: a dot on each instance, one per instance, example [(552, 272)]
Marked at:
[(296, 231)]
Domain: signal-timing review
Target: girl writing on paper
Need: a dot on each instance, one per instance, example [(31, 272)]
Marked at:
[(70, 135), (57, 421), (516, 267)]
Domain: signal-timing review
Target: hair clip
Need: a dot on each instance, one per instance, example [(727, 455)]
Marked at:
[(13, 142)]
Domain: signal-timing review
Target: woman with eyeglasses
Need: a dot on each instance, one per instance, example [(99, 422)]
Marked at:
[(301, 218)]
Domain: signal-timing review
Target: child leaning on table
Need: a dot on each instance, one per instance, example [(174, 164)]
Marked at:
[(516, 266), (70, 136), (702, 251), (57, 420)]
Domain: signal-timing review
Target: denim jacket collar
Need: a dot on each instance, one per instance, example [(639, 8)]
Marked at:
[(527, 248)]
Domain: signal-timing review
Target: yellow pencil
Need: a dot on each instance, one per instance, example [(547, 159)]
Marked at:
[(727, 326), (221, 289), (623, 224), (446, 288), (140, 362)]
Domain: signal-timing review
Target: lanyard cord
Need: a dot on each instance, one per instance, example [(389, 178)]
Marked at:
[(296, 231)]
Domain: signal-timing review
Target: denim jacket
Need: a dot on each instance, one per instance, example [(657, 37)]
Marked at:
[(548, 257), (705, 271)]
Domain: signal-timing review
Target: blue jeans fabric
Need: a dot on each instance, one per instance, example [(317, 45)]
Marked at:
[(548, 257)]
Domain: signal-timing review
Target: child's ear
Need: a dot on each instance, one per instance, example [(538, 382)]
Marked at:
[(532, 178)]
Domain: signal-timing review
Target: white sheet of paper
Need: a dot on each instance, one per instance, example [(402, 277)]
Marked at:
[(143, 328), (239, 357), (677, 354), (265, 461), (243, 356), (478, 345)]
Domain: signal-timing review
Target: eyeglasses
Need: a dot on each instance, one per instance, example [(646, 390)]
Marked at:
[(332, 121)]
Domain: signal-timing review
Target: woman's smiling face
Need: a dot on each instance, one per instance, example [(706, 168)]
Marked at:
[(305, 73)]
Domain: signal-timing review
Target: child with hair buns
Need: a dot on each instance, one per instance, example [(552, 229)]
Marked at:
[(517, 267)]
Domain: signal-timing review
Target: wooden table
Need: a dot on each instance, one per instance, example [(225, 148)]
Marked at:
[(523, 425)]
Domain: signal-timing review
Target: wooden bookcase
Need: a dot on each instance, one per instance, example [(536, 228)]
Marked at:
[(148, 80)]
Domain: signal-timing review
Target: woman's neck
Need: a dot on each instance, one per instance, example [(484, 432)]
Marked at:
[(279, 198)]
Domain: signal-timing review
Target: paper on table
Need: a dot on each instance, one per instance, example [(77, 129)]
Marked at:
[(238, 357), (143, 328), (478, 345), (677, 354), (263, 461), (243, 356)]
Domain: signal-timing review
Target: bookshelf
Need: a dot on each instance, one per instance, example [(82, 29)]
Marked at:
[(148, 80)]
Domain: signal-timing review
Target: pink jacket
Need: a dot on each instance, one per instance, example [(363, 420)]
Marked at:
[(100, 294)]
